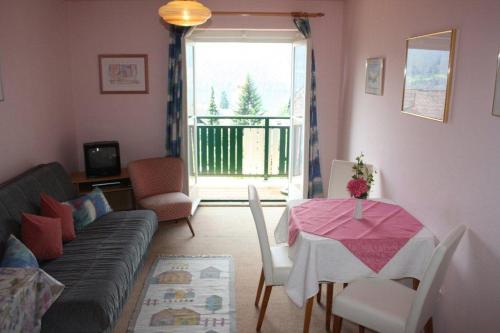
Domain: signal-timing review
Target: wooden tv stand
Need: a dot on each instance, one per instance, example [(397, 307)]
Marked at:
[(117, 189)]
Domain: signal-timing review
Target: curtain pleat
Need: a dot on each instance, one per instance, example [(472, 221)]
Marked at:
[(175, 91), (315, 185)]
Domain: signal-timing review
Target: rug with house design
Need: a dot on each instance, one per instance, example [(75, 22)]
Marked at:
[(187, 294)]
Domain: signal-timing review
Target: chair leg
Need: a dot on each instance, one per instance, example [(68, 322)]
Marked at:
[(267, 293), (416, 282), (189, 224), (337, 324), (428, 328), (307, 318), (361, 329), (259, 288), (329, 301), (318, 295)]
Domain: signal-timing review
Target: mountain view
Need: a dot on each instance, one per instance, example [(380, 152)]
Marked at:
[(243, 78)]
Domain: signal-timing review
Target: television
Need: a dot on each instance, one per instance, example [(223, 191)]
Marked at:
[(102, 158)]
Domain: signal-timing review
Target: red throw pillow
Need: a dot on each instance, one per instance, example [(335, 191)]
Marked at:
[(53, 208), (42, 235)]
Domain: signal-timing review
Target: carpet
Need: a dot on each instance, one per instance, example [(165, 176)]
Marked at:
[(187, 294)]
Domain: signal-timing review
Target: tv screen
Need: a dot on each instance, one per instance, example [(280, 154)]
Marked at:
[(102, 158)]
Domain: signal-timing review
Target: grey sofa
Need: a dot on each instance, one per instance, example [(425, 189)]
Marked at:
[(98, 268)]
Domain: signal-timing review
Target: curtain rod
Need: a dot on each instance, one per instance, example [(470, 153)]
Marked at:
[(292, 14)]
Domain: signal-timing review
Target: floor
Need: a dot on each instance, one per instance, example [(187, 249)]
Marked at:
[(223, 230), (235, 188)]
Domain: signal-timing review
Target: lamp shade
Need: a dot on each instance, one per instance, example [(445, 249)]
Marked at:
[(185, 13)]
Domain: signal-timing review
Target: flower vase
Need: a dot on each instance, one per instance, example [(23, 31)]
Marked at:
[(358, 209)]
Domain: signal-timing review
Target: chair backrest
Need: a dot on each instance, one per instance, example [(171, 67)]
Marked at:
[(260, 225), (154, 176), (340, 174), (427, 292)]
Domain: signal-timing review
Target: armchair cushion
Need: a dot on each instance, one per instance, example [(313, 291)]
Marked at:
[(168, 206), (155, 176)]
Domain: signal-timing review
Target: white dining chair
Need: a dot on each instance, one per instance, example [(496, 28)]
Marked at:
[(340, 174), (276, 265), (390, 307)]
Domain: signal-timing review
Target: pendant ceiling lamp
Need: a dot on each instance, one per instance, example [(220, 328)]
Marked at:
[(185, 13)]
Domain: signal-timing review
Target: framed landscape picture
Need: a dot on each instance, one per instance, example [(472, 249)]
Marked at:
[(123, 73), (428, 75), (374, 83), (496, 96)]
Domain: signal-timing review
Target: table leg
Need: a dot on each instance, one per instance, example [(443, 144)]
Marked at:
[(307, 318)]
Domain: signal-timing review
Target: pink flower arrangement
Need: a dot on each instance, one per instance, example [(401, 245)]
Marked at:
[(358, 188)]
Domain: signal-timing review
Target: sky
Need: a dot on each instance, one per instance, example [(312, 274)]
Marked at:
[(224, 66)]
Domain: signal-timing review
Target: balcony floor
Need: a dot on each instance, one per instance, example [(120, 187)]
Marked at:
[(235, 188)]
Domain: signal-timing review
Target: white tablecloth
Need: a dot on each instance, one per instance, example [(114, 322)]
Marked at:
[(317, 258)]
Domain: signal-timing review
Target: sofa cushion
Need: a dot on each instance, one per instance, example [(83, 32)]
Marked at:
[(98, 269), (22, 194), (18, 255), (88, 208), (42, 235), (50, 207), (168, 206)]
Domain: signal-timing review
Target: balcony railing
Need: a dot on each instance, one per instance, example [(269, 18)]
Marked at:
[(242, 146)]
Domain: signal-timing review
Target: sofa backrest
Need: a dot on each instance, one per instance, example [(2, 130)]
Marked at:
[(22, 195)]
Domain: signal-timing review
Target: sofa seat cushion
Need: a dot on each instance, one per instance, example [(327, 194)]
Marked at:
[(168, 206), (98, 268)]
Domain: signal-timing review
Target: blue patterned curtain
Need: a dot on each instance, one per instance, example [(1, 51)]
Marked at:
[(315, 186), (175, 87)]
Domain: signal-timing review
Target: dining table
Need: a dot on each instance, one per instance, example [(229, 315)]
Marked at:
[(327, 244)]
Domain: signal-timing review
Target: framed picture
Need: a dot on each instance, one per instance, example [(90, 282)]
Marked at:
[(123, 73), (428, 75), (496, 96), (374, 83)]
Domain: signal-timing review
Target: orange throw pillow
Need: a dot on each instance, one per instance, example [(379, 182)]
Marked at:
[(42, 235), (53, 208)]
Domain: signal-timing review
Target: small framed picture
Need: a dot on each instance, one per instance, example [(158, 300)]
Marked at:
[(374, 83), (123, 73), (496, 96)]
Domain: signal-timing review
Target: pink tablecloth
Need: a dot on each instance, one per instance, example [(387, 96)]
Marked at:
[(375, 239)]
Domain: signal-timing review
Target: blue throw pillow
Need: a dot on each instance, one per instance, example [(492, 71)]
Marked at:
[(18, 255), (88, 208)]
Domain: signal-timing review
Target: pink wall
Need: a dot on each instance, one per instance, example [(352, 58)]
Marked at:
[(444, 174), (138, 121), (36, 120)]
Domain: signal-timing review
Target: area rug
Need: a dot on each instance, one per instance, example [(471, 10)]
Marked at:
[(187, 294)]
